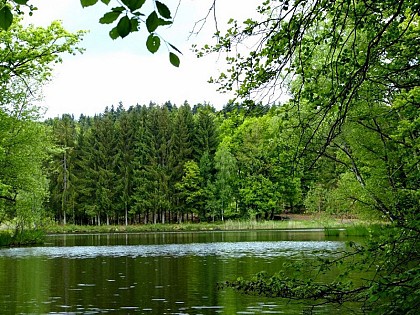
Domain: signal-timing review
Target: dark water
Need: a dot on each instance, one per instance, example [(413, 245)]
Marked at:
[(152, 273)]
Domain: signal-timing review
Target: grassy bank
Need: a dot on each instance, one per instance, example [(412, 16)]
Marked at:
[(21, 238), (298, 222)]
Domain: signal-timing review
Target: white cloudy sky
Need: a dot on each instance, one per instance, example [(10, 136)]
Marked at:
[(123, 70)]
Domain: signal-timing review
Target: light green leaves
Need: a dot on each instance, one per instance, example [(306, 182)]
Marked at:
[(153, 43), (6, 18)]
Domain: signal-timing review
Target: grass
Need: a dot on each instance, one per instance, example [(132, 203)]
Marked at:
[(21, 238), (360, 229), (229, 225)]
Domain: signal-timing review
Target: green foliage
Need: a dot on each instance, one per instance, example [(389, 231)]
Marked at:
[(353, 78), (153, 43), (189, 188), (6, 18), (87, 3), (128, 14), (27, 56), (22, 238), (174, 59)]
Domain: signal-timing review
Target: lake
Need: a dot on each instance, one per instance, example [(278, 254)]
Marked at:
[(152, 273)]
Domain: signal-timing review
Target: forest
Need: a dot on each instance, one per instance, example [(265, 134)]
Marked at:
[(163, 163), (347, 142)]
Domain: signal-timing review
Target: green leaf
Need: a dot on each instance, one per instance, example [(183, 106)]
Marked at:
[(174, 48), (134, 25), (6, 18), (106, 1), (133, 5), (164, 22), (153, 43), (124, 26), (163, 10), (152, 22), (21, 1), (109, 17), (114, 33), (88, 3), (174, 59), (118, 9)]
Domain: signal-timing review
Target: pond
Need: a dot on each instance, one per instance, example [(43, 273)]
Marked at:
[(152, 273)]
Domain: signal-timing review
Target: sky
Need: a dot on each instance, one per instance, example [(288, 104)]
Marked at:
[(122, 70)]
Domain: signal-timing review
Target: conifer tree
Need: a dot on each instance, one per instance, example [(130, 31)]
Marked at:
[(125, 132)]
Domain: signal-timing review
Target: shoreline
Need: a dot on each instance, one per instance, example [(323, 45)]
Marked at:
[(293, 222)]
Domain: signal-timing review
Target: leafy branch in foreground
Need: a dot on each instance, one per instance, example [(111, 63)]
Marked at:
[(393, 287), (352, 72), (128, 14)]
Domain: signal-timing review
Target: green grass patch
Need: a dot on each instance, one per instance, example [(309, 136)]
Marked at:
[(303, 222), (364, 229), (21, 238)]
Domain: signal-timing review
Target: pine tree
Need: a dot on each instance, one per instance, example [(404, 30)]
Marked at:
[(181, 151), (105, 143), (125, 133)]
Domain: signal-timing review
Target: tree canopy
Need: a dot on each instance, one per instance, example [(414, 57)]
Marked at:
[(351, 69), (26, 59)]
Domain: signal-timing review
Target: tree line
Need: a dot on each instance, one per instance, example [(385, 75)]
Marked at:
[(163, 163)]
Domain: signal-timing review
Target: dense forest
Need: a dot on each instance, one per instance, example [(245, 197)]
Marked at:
[(168, 163)]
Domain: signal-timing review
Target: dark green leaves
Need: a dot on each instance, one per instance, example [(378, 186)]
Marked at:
[(124, 26), (129, 16), (174, 59), (133, 5), (109, 17), (152, 22), (6, 18), (23, 2), (88, 3), (153, 43), (163, 10)]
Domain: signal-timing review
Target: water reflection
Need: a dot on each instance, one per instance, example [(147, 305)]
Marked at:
[(226, 250), (151, 273)]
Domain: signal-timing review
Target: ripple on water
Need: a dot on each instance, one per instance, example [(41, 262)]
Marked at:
[(223, 249)]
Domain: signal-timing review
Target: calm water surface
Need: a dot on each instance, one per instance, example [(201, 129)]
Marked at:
[(151, 273)]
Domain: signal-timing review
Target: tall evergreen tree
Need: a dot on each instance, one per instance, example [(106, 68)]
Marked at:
[(125, 133), (181, 151), (105, 145), (63, 190)]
